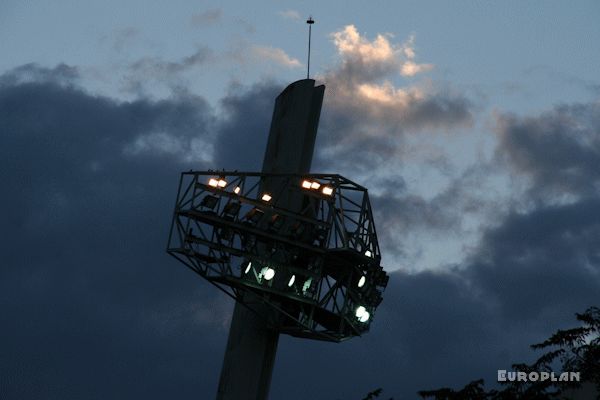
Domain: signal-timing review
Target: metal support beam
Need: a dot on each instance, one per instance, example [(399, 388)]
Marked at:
[(252, 342)]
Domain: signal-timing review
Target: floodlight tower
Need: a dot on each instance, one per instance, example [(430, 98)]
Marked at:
[(297, 251)]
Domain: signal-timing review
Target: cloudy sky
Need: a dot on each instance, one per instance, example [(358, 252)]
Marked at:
[(476, 127)]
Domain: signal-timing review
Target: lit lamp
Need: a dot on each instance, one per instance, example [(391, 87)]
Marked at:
[(362, 314), (267, 273), (266, 197)]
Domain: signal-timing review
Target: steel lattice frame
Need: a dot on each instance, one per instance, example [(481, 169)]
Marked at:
[(225, 230)]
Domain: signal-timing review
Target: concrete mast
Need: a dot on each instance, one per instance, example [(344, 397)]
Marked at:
[(253, 337)]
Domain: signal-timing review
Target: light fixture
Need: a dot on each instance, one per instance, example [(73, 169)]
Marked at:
[(368, 253), (268, 273), (266, 197), (364, 317), (276, 222), (222, 183), (209, 201), (213, 182), (237, 190), (362, 314), (306, 184), (254, 215), (292, 280), (306, 285), (315, 185), (232, 209), (248, 267), (380, 277), (361, 281), (328, 191)]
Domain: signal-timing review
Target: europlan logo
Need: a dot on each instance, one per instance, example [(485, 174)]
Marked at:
[(534, 376)]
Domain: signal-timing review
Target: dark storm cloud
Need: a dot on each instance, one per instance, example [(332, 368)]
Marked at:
[(244, 127), (87, 292), (559, 149), (397, 210), (543, 262), (374, 131), (62, 74), (155, 66), (149, 71)]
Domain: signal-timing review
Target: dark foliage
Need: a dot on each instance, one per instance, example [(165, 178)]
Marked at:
[(576, 350), (374, 394)]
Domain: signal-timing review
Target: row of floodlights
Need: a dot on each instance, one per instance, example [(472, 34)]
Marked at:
[(268, 273), (306, 184), (221, 183), (314, 185)]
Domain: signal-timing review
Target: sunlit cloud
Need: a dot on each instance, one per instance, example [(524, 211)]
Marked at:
[(390, 95), (409, 67), (349, 43), (379, 54), (275, 55), (367, 105)]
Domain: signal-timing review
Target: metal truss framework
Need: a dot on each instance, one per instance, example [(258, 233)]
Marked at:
[(304, 244)]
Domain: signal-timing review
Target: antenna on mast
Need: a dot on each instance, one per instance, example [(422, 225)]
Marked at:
[(309, 21)]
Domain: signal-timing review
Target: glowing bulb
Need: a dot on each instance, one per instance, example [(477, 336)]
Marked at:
[(306, 184), (362, 314), (360, 311), (368, 253), (213, 182), (268, 273), (248, 267), (222, 183), (237, 190), (306, 285), (266, 197), (364, 317), (361, 281), (327, 191), (315, 185), (292, 280)]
